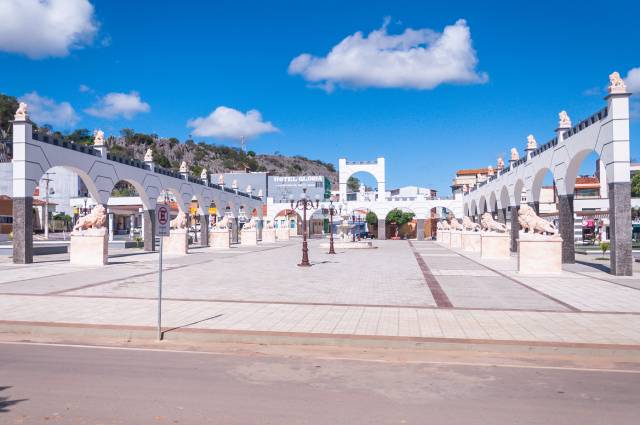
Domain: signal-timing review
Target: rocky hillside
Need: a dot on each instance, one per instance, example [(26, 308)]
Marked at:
[(169, 153)]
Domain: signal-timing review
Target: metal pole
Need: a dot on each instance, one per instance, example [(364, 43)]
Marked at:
[(305, 250), (160, 292), (331, 250)]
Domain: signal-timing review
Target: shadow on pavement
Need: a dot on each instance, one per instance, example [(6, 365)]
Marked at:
[(190, 324), (6, 402), (598, 266)]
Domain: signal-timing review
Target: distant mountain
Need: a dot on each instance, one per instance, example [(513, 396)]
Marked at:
[(170, 152)]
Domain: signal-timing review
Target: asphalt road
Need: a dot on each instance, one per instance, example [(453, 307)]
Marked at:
[(82, 385)]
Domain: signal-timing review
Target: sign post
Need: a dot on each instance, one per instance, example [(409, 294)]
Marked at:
[(162, 229)]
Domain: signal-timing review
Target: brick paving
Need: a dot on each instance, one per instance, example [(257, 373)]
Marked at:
[(396, 290)]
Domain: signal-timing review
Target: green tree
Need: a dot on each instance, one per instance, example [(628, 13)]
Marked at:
[(635, 186), (353, 184), (399, 217), (82, 136), (8, 107), (371, 218), (161, 160)]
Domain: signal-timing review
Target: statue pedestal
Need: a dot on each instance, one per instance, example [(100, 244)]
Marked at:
[(282, 233), (249, 237), (177, 243), (495, 245), (268, 235), (446, 238), (220, 239), (439, 235), (539, 255), (456, 239), (471, 241), (89, 247)]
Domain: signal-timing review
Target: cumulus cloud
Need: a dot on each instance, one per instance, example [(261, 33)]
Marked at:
[(632, 82), (44, 110), (229, 123), (41, 28), (415, 59), (115, 105)]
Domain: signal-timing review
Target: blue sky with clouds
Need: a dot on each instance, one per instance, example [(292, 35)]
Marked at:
[(431, 86)]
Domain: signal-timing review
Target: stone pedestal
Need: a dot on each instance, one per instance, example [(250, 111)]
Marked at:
[(495, 245), (89, 247), (249, 237), (177, 243), (420, 229), (471, 241), (282, 233), (22, 230), (446, 238), (456, 239), (268, 235), (438, 235), (219, 239), (539, 255)]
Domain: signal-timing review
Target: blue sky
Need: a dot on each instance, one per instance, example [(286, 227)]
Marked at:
[(171, 65)]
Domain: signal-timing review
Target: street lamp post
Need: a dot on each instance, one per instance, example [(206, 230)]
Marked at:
[(332, 212), (303, 204)]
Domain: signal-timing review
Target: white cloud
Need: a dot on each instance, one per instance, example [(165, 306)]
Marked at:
[(41, 28), (44, 110), (229, 123), (415, 59), (632, 80), (114, 105), (84, 88)]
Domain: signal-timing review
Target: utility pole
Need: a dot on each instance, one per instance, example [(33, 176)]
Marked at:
[(242, 144)]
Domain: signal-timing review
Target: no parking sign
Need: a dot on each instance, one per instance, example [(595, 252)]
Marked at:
[(162, 220)]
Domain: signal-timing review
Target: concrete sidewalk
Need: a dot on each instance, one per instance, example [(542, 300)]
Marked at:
[(260, 290)]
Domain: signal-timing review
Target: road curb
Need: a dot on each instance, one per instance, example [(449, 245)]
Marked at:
[(87, 333)]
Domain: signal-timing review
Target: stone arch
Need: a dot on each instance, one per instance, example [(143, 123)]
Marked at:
[(517, 191), (347, 168), (493, 202), (97, 195), (504, 199)]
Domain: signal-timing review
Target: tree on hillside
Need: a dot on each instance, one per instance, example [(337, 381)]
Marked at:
[(399, 217), (8, 107), (82, 136), (635, 186), (353, 184)]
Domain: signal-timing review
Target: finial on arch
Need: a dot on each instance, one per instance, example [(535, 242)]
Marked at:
[(563, 120), (22, 113), (183, 167), (532, 144)]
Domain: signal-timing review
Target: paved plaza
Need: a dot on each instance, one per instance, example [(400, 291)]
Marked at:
[(400, 289)]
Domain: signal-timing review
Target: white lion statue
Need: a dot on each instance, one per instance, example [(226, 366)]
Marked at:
[(530, 222), (180, 222), (616, 83), (439, 225), (469, 225), (490, 225), (454, 223), (148, 155), (222, 224), (514, 154), (94, 220), (22, 113), (445, 225), (563, 120), (98, 139), (531, 142)]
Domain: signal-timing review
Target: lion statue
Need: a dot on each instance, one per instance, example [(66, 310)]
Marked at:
[(269, 225), (445, 225), (617, 84), (454, 223), (98, 139), (439, 225), (530, 222), (222, 224), (469, 225), (180, 222), (94, 220), (22, 112), (490, 225)]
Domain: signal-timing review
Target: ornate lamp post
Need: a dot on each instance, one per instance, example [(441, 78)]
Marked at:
[(303, 204), (332, 212)]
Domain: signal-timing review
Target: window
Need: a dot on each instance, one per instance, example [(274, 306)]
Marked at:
[(5, 219)]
